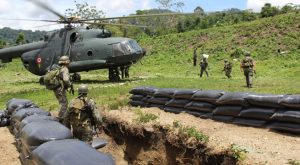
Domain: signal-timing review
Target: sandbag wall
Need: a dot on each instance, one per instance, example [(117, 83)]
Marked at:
[(42, 140), (278, 112)]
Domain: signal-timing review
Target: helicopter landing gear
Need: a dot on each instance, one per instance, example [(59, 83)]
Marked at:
[(76, 77), (113, 74), (41, 81)]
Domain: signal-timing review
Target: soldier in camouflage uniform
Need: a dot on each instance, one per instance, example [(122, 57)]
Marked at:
[(248, 66), (82, 115), (227, 68), (203, 67), (60, 92)]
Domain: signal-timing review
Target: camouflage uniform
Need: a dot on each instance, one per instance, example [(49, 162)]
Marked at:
[(81, 116), (203, 67), (60, 92), (227, 68), (247, 65), (127, 71)]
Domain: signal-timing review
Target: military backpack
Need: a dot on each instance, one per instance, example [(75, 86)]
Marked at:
[(52, 80)]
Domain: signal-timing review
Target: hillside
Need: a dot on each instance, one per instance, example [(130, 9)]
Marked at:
[(10, 35)]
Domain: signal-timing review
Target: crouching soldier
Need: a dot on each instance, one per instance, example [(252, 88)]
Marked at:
[(82, 116)]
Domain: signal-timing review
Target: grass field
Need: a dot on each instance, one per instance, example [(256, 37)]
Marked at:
[(169, 64)]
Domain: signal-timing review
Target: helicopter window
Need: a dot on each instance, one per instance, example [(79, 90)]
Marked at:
[(118, 51), (90, 53), (74, 37), (135, 45), (46, 37)]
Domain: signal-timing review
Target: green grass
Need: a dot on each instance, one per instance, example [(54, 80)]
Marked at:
[(190, 132), (169, 64), (144, 117), (238, 152)]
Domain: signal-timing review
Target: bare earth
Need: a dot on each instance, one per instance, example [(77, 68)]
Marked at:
[(8, 152), (264, 146)]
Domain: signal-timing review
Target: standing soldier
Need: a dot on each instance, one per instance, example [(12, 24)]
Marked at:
[(126, 69), (248, 66), (122, 68), (65, 83), (203, 66), (82, 115), (195, 57), (227, 68)]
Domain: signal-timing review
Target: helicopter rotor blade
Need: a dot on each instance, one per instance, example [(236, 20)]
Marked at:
[(17, 19), (116, 24), (138, 16), (48, 8), (45, 25)]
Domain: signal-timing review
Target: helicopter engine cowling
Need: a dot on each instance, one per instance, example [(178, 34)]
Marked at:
[(31, 62)]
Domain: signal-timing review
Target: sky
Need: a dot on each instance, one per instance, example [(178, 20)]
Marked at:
[(24, 9)]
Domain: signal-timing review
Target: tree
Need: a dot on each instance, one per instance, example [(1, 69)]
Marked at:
[(268, 10), (2, 44), (20, 39), (169, 4), (287, 8), (199, 10)]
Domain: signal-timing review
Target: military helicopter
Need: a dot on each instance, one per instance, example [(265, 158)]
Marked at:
[(88, 49)]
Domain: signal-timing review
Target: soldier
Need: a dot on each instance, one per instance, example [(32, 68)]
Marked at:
[(203, 66), (195, 57), (227, 68), (122, 68), (126, 69), (82, 115), (64, 78), (248, 66)]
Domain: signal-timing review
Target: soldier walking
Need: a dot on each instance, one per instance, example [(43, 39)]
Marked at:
[(65, 83), (82, 115), (126, 70), (203, 67), (195, 57), (248, 66), (227, 68)]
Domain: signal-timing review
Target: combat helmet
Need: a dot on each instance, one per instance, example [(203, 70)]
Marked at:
[(248, 54), (225, 60), (83, 89), (64, 60)]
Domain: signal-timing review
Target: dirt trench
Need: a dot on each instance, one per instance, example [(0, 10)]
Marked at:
[(139, 144)]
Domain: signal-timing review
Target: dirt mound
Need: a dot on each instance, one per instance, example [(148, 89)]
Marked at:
[(8, 151), (151, 142)]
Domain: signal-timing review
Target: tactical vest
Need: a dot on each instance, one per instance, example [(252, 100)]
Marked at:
[(247, 63), (80, 113), (52, 80)]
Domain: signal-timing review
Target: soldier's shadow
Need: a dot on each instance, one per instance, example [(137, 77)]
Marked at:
[(107, 81)]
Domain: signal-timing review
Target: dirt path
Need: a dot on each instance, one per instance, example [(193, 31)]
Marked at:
[(263, 146), (8, 151)]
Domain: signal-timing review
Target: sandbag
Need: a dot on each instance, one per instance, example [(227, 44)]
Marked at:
[(156, 106), (287, 116), (291, 101), (16, 104), (264, 100), (210, 96), (4, 122), (286, 127), (158, 100), (226, 119), (137, 103), (198, 114), (165, 92), (200, 106), (39, 132), (257, 113), (249, 122), (174, 110), (233, 98), (227, 110), (136, 97), (184, 93), (22, 113), (150, 91), (69, 152), (137, 91), (35, 118), (3, 114), (179, 103)]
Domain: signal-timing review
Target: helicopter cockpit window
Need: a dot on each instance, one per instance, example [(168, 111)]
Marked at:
[(117, 49), (135, 46), (74, 37)]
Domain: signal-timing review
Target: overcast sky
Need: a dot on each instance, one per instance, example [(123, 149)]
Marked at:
[(18, 9)]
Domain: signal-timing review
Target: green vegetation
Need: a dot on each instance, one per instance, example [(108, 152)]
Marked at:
[(237, 152), (293, 162), (190, 132), (10, 35), (144, 117), (169, 64)]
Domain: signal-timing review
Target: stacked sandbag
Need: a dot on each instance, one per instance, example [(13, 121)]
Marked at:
[(4, 118), (19, 115), (279, 112), (141, 95), (15, 104), (36, 133), (161, 97), (69, 152)]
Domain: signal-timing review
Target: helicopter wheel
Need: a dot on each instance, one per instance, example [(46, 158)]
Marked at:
[(76, 77), (41, 81), (114, 75)]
